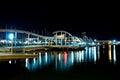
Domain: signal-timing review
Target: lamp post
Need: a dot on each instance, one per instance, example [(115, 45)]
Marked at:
[(11, 36)]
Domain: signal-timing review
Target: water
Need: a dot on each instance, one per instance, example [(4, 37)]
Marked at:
[(101, 62)]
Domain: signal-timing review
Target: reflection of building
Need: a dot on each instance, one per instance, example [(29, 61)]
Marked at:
[(62, 60)]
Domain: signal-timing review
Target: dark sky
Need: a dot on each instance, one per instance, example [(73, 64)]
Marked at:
[(98, 21)]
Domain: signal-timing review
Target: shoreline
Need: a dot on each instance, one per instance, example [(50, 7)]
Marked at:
[(16, 56)]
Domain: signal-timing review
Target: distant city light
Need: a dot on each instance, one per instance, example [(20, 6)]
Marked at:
[(10, 62), (95, 40), (114, 40), (11, 36)]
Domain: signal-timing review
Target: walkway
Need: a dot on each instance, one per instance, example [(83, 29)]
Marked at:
[(16, 56)]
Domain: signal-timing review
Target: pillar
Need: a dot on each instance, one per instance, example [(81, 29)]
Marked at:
[(45, 41), (65, 38), (15, 40), (28, 38), (56, 38), (37, 38), (61, 39)]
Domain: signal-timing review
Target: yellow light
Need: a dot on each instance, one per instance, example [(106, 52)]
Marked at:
[(61, 36), (109, 54)]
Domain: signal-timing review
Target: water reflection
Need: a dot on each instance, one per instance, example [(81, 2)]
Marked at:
[(112, 53), (109, 53), (62, 60), (101, 57), (98, 52), (9, 61)]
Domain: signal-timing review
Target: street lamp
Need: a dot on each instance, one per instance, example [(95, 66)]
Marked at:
[(11, 37)]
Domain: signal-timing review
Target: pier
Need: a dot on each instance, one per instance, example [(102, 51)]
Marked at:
[(61, 40)]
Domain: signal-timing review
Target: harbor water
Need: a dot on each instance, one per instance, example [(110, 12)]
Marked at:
[(99, 62)]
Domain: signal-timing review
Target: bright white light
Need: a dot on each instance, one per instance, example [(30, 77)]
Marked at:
[(114, 40), (10, 62), (26, 62), (40, 60), (114, 54), (72, 57), (59, 56), (95, 40), (95, 56), (46, 56), (11, 36), (34, 61)]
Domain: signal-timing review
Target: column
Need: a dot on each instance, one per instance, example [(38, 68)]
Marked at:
[(61, 39), (65, 38), (28, 38), (37, 38), (56, 38), (45, 41), (15, 40), (51, 41)]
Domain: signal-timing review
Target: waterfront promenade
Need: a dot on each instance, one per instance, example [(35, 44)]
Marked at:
[(61, 40), (4, 55)]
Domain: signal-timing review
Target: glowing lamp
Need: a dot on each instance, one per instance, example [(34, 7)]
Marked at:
[(11, 36), (114, 40)]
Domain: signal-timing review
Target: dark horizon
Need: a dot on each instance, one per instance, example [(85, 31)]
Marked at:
[(97, 22)]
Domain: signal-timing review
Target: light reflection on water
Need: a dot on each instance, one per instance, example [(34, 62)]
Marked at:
[(63, 60), (109, 53), (112, 56)]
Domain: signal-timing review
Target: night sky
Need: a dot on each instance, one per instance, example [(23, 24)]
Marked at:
[(98, 21)]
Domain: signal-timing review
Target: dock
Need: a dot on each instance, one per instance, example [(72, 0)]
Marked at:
[(17, 55), (39, 48)]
